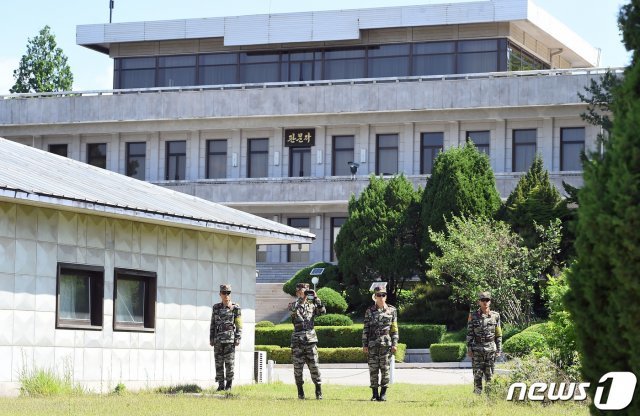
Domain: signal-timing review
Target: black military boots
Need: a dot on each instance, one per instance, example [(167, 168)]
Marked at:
[(319, 391), (300, 392), (228, 386), (220, 386), (383, 394), (375, 396)]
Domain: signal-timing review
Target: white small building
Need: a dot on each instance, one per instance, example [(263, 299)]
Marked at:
[(114, 278)]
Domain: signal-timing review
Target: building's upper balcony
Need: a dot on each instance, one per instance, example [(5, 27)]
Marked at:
[(268, 102)]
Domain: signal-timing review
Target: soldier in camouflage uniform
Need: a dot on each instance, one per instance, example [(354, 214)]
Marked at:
[(379, 340), (484, 341), (224, 336), (304, 339)]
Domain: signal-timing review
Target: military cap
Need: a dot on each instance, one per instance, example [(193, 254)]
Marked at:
[(484, 295), (379, 287), (225, 288), (302, 285)]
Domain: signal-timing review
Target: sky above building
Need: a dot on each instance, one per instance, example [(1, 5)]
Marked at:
[(593, 20)]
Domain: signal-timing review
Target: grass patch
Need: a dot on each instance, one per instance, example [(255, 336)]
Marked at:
[(280, 399), (38, 382)]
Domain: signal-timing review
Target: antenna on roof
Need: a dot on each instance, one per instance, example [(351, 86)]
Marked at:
[(111, 9)]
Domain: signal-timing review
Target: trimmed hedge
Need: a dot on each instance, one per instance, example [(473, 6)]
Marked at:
[(265, 324), (282, 355), (413, 335), (443, 353), (525, 343), (332, 300), (333, 319)]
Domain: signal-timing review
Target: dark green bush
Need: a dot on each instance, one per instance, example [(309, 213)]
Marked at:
[(330, 276), (525, 343), (413, 335), (265, 324), (332, 300), (282, 355), (448, 352), (508, 331), (333, 319), (432, 304)]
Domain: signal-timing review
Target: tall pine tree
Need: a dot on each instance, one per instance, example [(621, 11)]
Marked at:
[(605, 285)]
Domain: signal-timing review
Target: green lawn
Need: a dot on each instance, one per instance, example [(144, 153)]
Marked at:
[(280, 399)]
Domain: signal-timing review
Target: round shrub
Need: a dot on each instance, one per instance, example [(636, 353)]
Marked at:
[(330, 277), (333, 300), (525, 343), (543, 329), (450, 352), (265, 324), (333, 319)]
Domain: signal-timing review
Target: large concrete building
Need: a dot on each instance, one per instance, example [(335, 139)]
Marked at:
[(264, 113)]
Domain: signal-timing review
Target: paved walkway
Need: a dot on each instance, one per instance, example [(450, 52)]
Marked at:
[(359, 375)]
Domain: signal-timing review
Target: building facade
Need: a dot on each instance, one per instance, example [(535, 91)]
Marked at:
[(110, 280), (269, 114)]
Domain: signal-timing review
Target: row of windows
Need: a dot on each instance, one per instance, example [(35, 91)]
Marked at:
[(80, 298), (374, 61), (572, 144)]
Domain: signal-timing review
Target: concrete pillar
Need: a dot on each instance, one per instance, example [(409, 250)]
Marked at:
[(544, 143), (501, 148), (278, 165), (363, 152), (193, 155), (235, 154), (406, 152), (452, 136), (319, 154), (153, 157), (113, 155)]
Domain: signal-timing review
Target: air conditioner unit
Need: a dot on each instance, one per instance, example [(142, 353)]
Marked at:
[(260, 366)]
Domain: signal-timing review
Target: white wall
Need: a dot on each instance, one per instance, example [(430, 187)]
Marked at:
[(190, 266)]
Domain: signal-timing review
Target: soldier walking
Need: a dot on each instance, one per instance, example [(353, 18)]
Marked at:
[(484, 341), (304, 340), (379, 340), (224, 336)]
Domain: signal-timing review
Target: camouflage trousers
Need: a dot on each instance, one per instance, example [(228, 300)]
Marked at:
[(379, 362), (302, 353), (483, 364), (224, 354)]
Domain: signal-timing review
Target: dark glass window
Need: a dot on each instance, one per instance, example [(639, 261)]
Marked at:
[(216, 159), (136, 159), (59, 149), (301, 66), (571, 147), (386, 154), (299, 161), (219, 68), (80, 296), (388, 61), (477, 56), (343, 152), (174, 71), (482, 140), (519, 60), (134, 300), (434, 58), (258, 158), (524, 149), (336, 225), (298, 253), (97, 154), (344, 64), (431, 146), (259, 68), (176, 160), (137, 73), (261, 253)]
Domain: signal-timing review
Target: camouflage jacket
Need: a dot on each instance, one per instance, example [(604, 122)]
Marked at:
[(302, 313), (380, 327), (484, 332), (226, 324)]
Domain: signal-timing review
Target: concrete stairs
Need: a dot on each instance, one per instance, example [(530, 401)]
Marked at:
[(277, 272), (271, 302)]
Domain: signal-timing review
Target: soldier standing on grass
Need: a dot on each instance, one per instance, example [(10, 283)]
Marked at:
[(304, 340), (380, 340), (484, 341), (224, 336)]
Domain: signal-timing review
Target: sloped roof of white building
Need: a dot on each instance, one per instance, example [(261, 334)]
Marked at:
[(35, 177), (340, 25)]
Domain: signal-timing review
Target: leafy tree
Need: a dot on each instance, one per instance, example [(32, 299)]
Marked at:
[(44, 67), (483, 254), (329, 278), (462, 183), (378, 239), (534, 200), (604, 279)]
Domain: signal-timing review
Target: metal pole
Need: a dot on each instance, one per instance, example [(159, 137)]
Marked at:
[(392, 368), (110, 9)]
